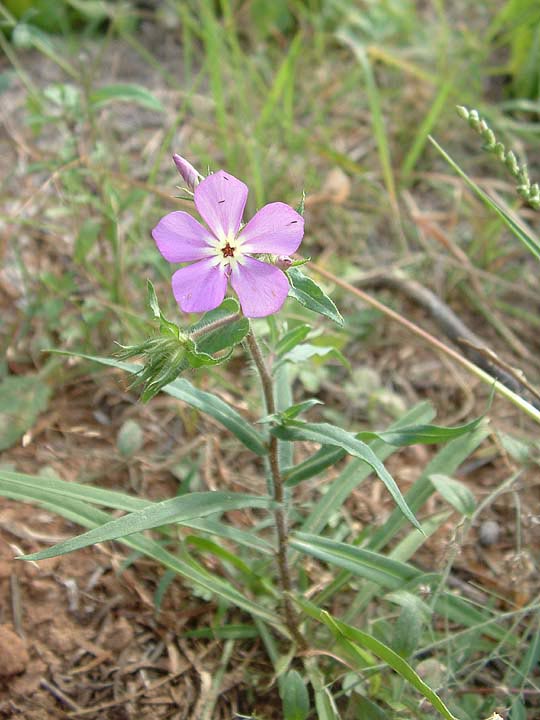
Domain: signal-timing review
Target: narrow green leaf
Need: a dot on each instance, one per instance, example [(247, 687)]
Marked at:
[(421, 135), (230, 306), (96, 10), (198, 359), (354, 473), (153, 301), (378, 126), (295, 410), (326, 456), (420, 434), (214, 548), (367, 710), (164, 584), (292, 338), (388, 573), (518, 711), (340, 630), (324, 702), (228, 336), (175, 510), (57, 489), (446, 462), (408, 628), (210, 404), (125, 92), (456, 493), (91, 517), (282, 78), (392, 575), (327, 434), (311, 296)]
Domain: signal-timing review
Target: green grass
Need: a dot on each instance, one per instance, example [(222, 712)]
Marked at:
[(280, 94)]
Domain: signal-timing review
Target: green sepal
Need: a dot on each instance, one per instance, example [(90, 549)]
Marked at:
[(310, 295), (166, 327), (198, 359), (300, 262), (301, 204), (171, 352)]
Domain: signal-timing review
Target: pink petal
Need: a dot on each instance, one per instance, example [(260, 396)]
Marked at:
[(220, 199), (199, 287), (276, 228), (180, 238), (261, 288)]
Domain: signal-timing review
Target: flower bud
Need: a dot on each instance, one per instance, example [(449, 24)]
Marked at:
[(283, 262), (189, 175)]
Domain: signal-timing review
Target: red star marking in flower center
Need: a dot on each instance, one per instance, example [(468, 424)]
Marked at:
[(228, 251)]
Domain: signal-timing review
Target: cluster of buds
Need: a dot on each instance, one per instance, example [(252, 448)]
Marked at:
[(169, 353), (527, 190)]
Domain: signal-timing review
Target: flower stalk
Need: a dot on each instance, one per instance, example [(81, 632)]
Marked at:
[(216, 325), (527, 190), (280, 514)]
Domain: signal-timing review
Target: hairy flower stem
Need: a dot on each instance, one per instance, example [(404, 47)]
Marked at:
[(280, 514), (215, 325)]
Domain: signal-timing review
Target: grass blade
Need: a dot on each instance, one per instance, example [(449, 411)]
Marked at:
[(530, 241), (422, 135)]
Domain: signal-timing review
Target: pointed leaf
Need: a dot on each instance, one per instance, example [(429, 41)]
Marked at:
[(56, 490), (292, 338), (327, 434), (91, 517), (310, 295), (175, 510), (342, 631), (393, 574), (226, 336)]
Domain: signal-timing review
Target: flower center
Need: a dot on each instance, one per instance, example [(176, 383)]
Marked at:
[(227, 251)]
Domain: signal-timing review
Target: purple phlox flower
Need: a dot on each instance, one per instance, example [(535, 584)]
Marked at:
[(189, 175), (225, 250)]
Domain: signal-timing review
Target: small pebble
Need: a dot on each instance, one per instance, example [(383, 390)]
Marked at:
[(489, 532)]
